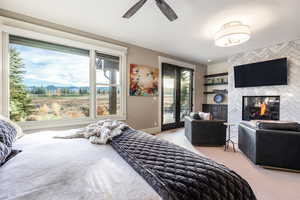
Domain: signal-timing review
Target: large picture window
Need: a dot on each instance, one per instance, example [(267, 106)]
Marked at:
[(48, 81)]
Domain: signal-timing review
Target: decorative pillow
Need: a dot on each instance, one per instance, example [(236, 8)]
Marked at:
[(4, 152), (194, 115), (18, 128), (7, 133), (205, 116)]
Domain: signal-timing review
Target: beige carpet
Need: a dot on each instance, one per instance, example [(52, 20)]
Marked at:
[(267, 184)]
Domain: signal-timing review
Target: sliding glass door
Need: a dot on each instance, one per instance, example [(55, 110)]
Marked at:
[(177, 95), (186, 88), (169, 86)]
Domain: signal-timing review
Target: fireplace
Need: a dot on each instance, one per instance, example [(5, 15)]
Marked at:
[(261, 107)]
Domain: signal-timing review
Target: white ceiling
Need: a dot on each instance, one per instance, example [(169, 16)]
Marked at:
[(189, 37)]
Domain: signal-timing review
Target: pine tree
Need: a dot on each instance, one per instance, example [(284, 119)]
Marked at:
[(20, 102)]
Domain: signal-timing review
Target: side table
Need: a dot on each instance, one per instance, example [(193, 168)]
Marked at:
[(228, 138)]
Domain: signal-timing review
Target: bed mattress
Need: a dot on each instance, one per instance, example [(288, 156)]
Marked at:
[(74, 169)]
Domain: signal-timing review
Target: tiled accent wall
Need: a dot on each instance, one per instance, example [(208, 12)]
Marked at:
[(290, 94)]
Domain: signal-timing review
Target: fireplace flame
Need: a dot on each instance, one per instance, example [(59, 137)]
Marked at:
[(263, 109)]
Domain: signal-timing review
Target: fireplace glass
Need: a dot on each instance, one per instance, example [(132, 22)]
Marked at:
[(261, 108)]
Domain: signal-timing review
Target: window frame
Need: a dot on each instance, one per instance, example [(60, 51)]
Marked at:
[(91, 45)]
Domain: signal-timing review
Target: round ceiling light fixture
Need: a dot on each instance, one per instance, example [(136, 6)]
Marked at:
[(232, 33)]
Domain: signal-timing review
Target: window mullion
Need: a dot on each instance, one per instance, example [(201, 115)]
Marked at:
[(123, 86), (93, 95), (5, 74)]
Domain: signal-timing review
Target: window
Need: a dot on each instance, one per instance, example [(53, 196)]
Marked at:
[(47, 81), (108, 84), (61, 84)]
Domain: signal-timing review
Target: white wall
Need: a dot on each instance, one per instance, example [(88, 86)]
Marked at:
[(215, 68), (289, 94), (218, 67)]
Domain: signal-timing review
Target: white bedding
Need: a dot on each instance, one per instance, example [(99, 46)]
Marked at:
[(54, 169)]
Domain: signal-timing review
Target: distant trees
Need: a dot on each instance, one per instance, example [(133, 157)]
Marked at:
[(38, 90), (65, 91), (58, 91), (20, 101), (83, 91)]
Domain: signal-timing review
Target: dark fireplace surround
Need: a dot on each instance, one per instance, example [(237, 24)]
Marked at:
[(261, 108)]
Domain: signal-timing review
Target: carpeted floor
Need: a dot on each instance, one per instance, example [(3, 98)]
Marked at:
[(267, 184)]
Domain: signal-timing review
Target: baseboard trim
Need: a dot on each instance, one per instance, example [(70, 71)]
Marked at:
[(280, 169), (152, 131)]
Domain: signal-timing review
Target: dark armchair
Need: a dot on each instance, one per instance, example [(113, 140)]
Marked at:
[(205, 132), (270, 148)]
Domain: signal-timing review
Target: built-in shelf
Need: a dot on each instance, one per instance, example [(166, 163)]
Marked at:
[(212, 84), (216, 75), (208, 92), (216, 92)]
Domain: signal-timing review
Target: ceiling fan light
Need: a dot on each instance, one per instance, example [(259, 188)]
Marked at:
[(231, 34)]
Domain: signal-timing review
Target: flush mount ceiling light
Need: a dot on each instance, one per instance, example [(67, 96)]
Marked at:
[(232, 33)]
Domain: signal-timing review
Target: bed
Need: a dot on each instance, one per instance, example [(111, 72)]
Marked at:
[(75, 169), (57, 169)]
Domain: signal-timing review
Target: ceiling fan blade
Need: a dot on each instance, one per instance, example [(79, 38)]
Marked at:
[(134, 9), (166, 10)]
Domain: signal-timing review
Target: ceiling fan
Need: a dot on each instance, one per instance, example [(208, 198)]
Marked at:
[(162, 5)]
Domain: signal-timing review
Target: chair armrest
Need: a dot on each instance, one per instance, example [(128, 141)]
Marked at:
[(212, 121), (204, 121), (280, 132)]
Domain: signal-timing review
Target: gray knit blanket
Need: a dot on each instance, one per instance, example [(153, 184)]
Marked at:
[(99, 132)]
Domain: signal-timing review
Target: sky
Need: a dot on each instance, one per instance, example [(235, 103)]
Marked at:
[(46, 67)]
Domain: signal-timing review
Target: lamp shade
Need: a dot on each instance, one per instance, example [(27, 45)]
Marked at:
[(232, 33)]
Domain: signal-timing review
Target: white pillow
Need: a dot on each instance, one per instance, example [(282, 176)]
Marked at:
[(18, 128), (204, 116)]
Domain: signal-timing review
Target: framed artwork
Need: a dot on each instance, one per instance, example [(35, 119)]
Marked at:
[(143, 80)]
